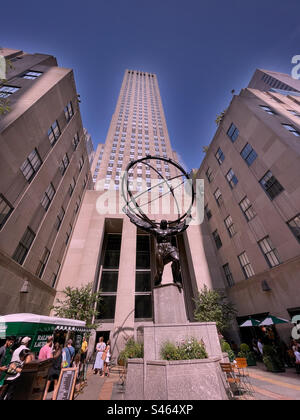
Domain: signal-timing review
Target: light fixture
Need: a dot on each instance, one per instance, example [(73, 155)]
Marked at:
[(24, 288), (265, 286)]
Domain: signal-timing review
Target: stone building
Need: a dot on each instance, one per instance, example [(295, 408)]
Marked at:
[(252, 198), (43, 176)]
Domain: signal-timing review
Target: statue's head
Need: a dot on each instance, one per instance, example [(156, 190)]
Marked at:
[(163, 224)]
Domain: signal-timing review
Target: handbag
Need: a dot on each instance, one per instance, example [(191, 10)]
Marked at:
[(103, 357)]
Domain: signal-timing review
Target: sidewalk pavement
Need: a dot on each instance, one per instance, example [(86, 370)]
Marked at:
[(267, 385)]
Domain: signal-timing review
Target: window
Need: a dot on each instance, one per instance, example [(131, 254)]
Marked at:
[(54, 133), (68, 233), (220, 156), (246, 266), (231, 178), (268, 109), (217, 239), (109, 276), (48, 196), (233, 133), (64, 164), (59, 218), (6, 91), (72, 186), (247, 209), (291, 129), (42, 264), (294, 225), (24, 246), (55, 274), (68, 110), (269, 252), (75, 141), (230, 226), (295, 113), (5, 210), (207, 212), (228, 275), (32, 75), (271, 186), (248, 154), (143, 294), (81, 162), (31, 165), (218, 197), (209, 174)]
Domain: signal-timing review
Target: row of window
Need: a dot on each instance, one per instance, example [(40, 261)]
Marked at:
[(270, 253)]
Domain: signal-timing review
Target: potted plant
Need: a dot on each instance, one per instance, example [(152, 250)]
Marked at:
[(246, 353), (271, 359)]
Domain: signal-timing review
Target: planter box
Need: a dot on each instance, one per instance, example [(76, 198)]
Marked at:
[(175, 380)]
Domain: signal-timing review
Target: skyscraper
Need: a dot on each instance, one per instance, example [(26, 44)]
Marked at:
[(106, 249), (43, 175)]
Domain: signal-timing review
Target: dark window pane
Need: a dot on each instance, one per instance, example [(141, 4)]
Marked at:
[(143, 306), (109, 281), (143, 281), (112, 252), (106, 309), (143, 252)]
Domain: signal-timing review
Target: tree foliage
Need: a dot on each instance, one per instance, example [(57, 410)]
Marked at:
[(220, 117), (212, 306), (80, 303)]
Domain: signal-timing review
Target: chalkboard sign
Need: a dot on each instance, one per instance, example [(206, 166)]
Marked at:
[(66, 384)]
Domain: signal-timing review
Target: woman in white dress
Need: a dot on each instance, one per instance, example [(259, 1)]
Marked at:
[(100, 347)]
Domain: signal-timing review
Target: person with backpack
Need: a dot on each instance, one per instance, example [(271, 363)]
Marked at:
[(13, 373), (68, 354)]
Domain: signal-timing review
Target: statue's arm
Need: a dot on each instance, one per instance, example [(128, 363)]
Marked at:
[(179, 228), (139, 222)]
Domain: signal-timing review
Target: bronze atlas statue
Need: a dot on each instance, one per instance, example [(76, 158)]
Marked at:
[(164, 232)]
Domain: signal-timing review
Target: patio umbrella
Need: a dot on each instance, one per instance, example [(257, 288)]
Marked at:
[(250, 323), (273, 320)]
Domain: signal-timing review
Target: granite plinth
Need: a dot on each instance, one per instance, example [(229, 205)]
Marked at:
[(175, 380)]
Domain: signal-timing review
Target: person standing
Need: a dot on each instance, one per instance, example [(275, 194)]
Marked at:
[(46, 351), (68, 354), (107, 359), (99, 362), (260, 346), (24, 346), (55, 369), (84, 349), (5, 358), (13, 373), (297, 361)]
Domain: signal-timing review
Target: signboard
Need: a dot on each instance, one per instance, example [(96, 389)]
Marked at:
[(66, 384)]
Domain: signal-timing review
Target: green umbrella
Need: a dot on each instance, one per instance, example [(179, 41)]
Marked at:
[(273, 320), (251, 322)]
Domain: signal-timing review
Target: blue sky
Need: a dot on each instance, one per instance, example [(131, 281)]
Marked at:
[(199, 49)]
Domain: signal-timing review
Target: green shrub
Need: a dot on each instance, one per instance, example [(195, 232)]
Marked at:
[(244, 348), (189, 349), (227, 349), (132, 350)]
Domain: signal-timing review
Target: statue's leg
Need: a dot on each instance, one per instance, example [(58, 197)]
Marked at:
[(176, 270), (159, 270)]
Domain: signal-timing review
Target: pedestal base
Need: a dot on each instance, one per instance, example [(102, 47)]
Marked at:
[(169, 305)]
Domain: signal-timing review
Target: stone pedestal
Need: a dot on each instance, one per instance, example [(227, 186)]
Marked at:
[(169, 305)]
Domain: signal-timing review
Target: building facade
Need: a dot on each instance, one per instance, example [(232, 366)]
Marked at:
[(252, 198), (106, 249), (43, 176)]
